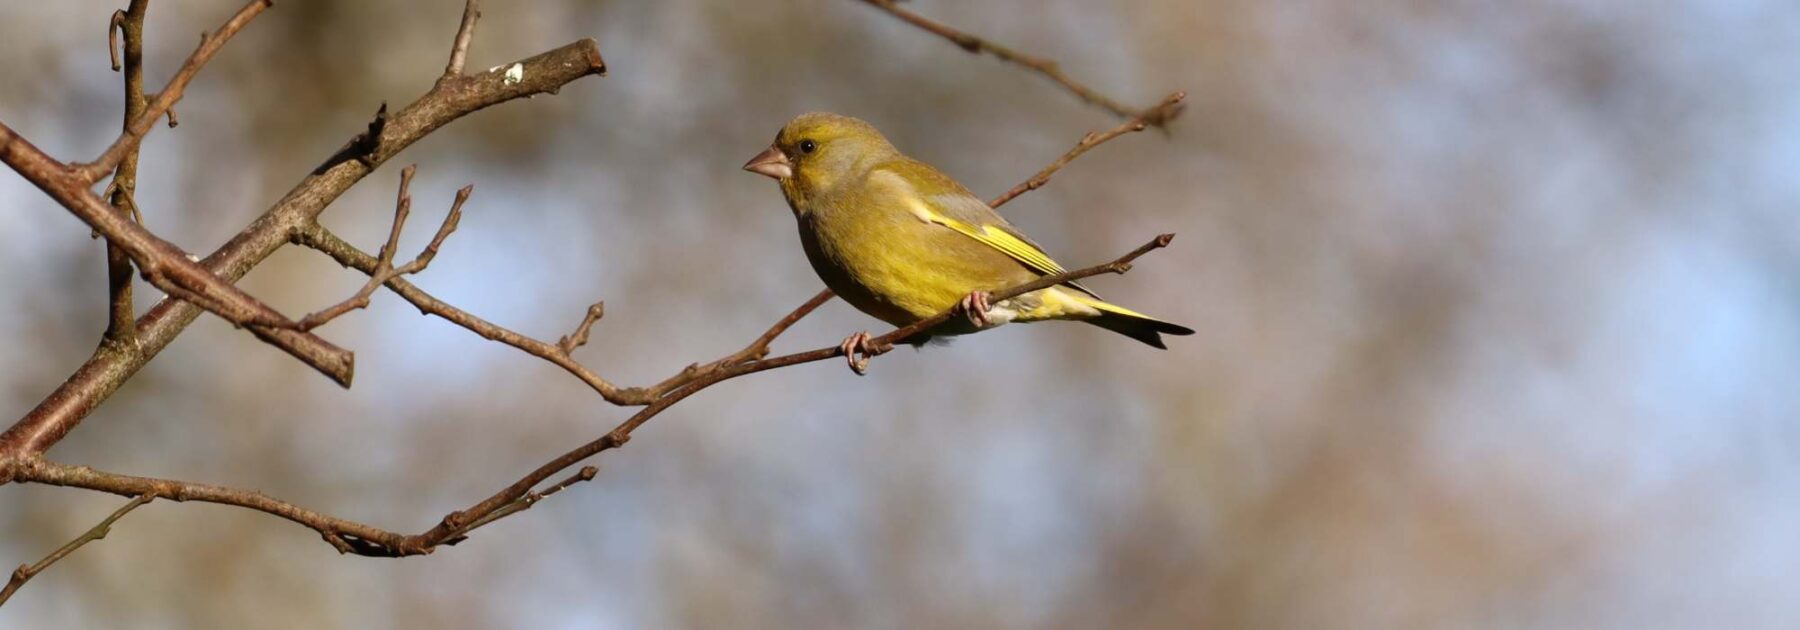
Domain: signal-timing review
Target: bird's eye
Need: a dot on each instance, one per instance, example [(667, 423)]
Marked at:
[(808, 146)]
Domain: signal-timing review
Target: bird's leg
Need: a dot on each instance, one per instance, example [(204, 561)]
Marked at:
[(864, 345), (975, 307)]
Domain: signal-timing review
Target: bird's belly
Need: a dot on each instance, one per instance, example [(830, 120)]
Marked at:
[(897, 280)]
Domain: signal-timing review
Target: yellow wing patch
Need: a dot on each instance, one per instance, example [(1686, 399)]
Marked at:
[(994, 237), (1013, 246)]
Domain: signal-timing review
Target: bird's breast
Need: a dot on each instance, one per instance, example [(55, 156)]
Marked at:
[(891, 269)]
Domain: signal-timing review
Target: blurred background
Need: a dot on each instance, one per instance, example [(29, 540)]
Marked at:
[(1498, 308)]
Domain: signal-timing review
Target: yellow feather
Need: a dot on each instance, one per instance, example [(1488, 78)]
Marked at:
[(998, 239), (1014, 247)]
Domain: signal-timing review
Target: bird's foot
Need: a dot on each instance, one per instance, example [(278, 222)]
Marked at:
[(975, 307), (859, 348)]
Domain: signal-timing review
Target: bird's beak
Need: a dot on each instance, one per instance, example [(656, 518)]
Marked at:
[(771, 162)]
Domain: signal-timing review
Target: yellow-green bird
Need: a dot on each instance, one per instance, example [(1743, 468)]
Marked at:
[(902, 242)]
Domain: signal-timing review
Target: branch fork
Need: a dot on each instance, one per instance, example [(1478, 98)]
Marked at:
[(384, 266)]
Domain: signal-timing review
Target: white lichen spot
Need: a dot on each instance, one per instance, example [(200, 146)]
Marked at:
[(514, 74), (193, 257)]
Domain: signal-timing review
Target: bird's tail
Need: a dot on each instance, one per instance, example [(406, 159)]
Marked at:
[(1130, 323)]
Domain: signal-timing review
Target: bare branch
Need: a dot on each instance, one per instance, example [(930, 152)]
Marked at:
[(165, 99), (33, 468), (444, 229), (322, 239), (345, 535), (1046, 67), (459, 51), (167, 266), (558, 353), (384, 267), (25, 572), (756, 350), (587, 473), (1167, 110), (161, 263), (402, 207), (109, 368)]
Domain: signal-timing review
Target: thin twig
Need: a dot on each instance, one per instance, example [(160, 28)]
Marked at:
[(384, 267), (319, 238), (459, 51), (322, 239), (36, 469), (1046, 67), (165, 99), (25, 572), (756, 350), (1168, 109), (587, 473)]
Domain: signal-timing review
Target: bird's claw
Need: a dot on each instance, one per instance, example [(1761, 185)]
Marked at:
[(975, 306), (859, 348)]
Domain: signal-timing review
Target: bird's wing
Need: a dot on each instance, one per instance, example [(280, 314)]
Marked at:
[(947, 203)]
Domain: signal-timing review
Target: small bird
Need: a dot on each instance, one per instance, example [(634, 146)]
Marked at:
[(902, 242)]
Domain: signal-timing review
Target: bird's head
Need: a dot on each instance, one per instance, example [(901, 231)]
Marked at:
[(815, 151)]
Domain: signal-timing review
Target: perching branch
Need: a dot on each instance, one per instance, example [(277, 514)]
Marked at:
[(27, 571), (976, 45)]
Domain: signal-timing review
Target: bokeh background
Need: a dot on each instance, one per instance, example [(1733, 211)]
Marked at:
[(1498, 308)]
